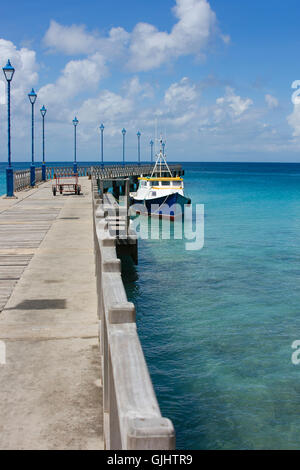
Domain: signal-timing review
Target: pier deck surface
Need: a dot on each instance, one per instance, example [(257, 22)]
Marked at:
[(50, 386)]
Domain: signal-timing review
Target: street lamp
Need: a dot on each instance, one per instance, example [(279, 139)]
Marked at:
[(9, 71), (139, 147), (123, 133), (151, 146), (102, 129), (75, 122), (32, 98), (43, 111)]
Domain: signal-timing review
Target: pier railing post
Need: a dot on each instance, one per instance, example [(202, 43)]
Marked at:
[(101, 189), (153, 433)]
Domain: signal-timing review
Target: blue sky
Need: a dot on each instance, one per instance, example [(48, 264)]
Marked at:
[(216, 75)]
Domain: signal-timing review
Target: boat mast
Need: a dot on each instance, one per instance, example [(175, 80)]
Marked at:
[(160, 152), (160, 161)]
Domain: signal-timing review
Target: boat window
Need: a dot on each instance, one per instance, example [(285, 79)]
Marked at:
[(153, 193), (165, 183), (177, 183)]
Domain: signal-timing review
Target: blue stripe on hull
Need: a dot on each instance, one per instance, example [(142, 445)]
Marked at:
[(172, 206)]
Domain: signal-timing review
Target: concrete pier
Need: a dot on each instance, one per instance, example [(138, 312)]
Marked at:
[(73, 374), (51, 386)]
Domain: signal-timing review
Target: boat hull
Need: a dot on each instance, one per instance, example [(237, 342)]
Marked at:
[(171, 206)]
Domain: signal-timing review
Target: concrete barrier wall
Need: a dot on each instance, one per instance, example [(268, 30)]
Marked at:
[(132, 418)]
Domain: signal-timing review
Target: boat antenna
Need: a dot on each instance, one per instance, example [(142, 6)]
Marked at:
[(161, 161), (155, 138)]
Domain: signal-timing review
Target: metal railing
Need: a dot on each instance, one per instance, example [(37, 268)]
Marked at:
[(132, 418), (21, 179), (38, 175), (109, 172), (66, 171), (120, 171)]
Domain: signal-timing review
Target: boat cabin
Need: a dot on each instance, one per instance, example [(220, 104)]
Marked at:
[(161, 183)]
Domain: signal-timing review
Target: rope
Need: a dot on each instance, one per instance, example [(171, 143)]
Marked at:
[(160, 205)]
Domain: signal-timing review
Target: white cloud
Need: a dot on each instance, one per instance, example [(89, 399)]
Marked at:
[(74, 40), (69, 39), (107, 107), (134, 87), (178, 108), (2, 93), (77, 76), (26, 75), (226, 38), (182, 93), (230, 122), (178, 121), (271, 101), (146, 47), (150, 48), (232, 102)]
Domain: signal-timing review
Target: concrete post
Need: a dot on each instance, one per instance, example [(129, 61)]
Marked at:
[(127, 187), (101, 190)]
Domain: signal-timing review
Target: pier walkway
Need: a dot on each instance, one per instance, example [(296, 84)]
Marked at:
[(51, 389)]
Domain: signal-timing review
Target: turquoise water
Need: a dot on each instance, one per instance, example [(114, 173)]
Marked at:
[(217, 324)]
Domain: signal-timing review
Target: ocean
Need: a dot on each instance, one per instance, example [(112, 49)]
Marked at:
[(217, 324)]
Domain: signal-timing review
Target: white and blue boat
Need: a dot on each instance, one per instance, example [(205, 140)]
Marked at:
[(159, 195)]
